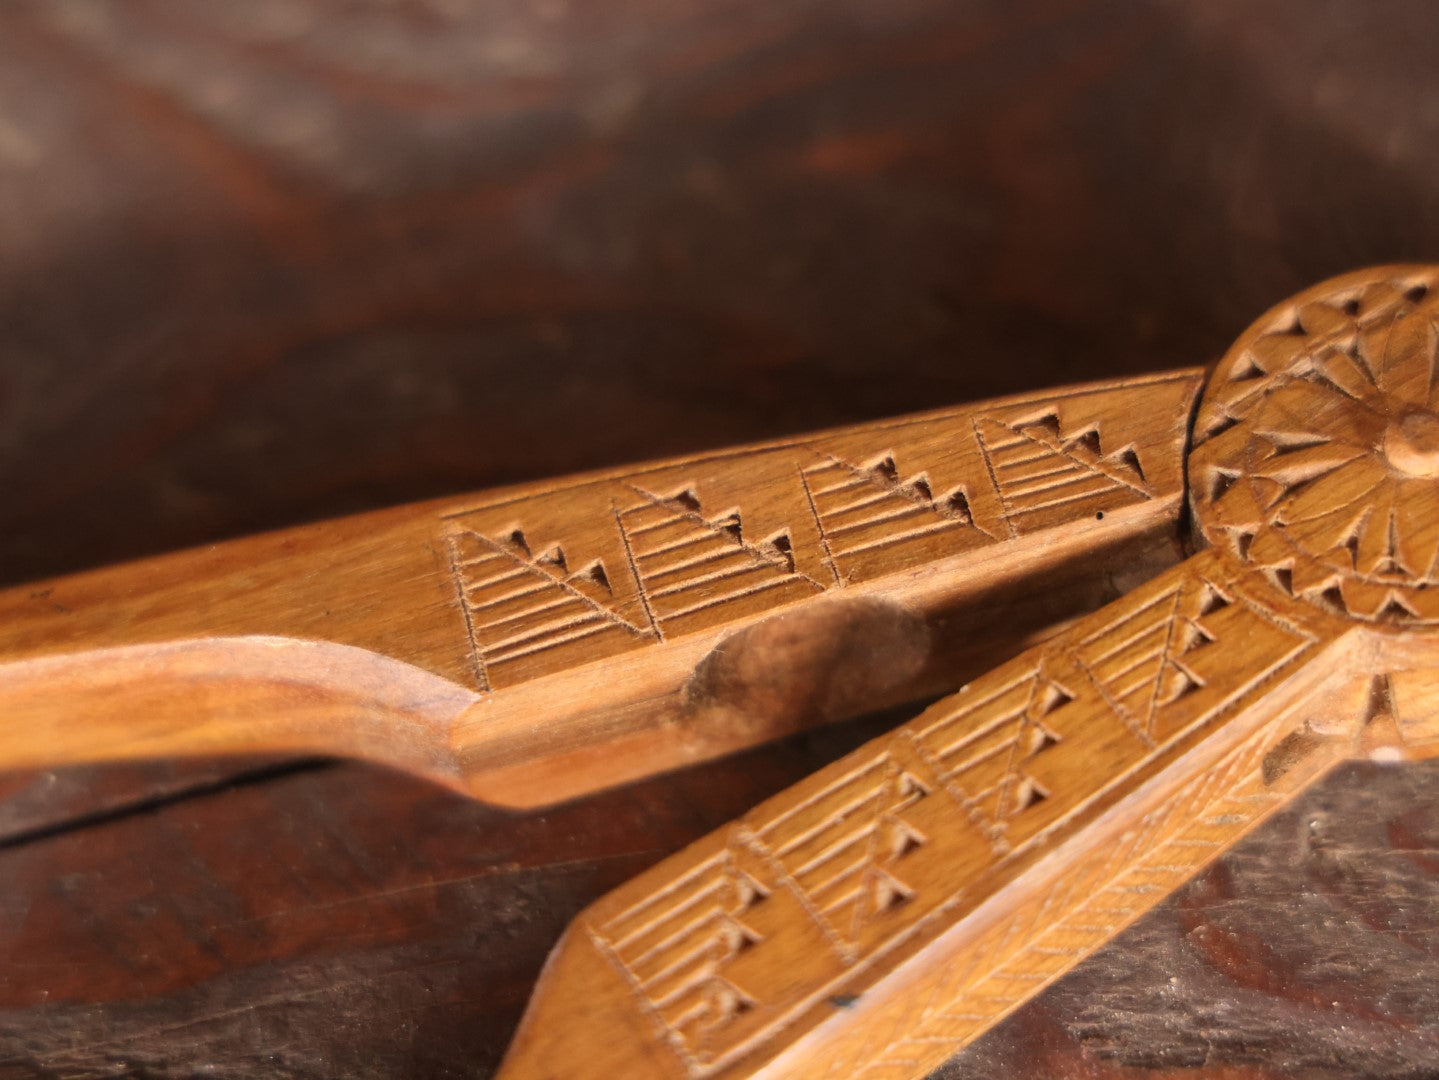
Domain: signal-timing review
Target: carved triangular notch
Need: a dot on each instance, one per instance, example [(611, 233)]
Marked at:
[(1219, 424), (516, 539), (1246, 368), (1048, 424), (736, 936), (1387, 564), (748, 891), (1028, 793), (886, 893), (687, 497), (955, 504), (782, 546), (1195, 637), (883, 468), (1288, 752), (904, 839), (593, 572), (1285, 442), (1178, 682), (1395, 607), (1128, 460), (1051, 696), (1351, 545), (554, 555), (1283, 576), (1088, 440), (918, 487), (730, 524), (910, 787), (1219, 482), (1040, 739), (1211, 600), (725, 1001), (1380, 702)]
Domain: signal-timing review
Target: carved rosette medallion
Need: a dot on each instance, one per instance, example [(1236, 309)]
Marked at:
[(1316, 456)]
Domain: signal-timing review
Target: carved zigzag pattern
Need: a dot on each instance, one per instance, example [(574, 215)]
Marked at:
[(688, 563), (1319, 335), (984, 762), (519, 603), (1040, 468), (1080, 913), (1144, 662), (865, 508), (687, 989), (786, 521), (845, 848), (895, 844)]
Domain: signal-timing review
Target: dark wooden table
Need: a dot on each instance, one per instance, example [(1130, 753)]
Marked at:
[(269, 262)]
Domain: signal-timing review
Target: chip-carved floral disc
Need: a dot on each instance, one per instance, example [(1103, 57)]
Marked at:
[(1316, 455)]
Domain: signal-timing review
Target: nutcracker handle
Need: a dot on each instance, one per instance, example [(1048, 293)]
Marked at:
[(889, 909), (534, 644)]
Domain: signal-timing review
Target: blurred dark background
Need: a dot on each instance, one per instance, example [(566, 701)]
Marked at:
[(268, 262), (272, 261)]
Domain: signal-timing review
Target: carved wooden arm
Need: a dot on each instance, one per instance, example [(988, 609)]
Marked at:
[(889, 909), (536, 643), (532, 644)]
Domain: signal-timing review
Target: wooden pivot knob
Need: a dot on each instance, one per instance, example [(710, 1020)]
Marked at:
[(1317, 446), (1411, 444)]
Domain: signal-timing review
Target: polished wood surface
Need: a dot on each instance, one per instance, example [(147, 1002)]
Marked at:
[(892, 908), (341, 922), (897, 905), (535, 644), (277, 263)]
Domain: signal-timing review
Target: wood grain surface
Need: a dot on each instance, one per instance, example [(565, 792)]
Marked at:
[(340, 922), (539, 642), (888, 910), (269, 263)]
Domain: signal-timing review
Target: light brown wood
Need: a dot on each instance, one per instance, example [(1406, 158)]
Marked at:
[(878, 916), (529, 645)]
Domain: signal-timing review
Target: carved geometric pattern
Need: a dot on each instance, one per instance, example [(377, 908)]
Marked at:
[(688, 563), (689, 991), (580, 573), (1145, 661), (846, 848), (947, 872), (1091, 901), (1039, 467), (518, 602), (890, 844), (984, 746), (1319, 448), (862, 508)]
